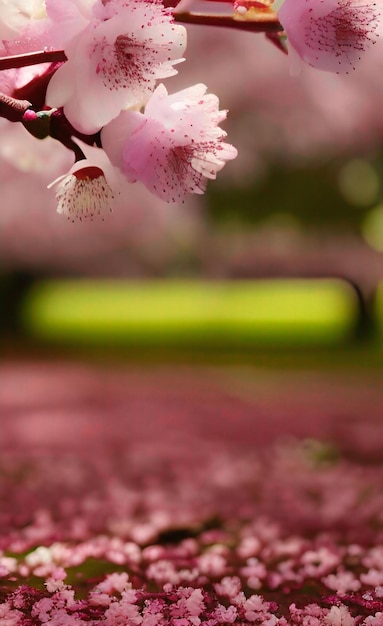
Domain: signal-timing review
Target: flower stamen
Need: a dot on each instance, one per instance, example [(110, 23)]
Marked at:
[(84, 195)]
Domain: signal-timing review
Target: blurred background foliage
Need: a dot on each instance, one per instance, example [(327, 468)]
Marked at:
[(337, 195)]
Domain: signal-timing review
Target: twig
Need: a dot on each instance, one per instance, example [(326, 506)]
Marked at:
[(270, 25), (32, 58), (12, 108)]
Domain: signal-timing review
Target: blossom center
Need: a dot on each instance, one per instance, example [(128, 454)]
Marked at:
[(126, 61), (349, 29), (84, 194)]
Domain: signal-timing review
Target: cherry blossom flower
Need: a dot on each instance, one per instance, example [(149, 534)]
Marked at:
[(87, 191), (339, 616), (174, 146), (330, 35), (114, 62)]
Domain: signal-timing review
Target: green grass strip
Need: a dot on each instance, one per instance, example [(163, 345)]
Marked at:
[(191, 313)]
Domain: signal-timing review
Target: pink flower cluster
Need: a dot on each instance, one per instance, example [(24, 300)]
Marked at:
[(99, 91), (113, 54)]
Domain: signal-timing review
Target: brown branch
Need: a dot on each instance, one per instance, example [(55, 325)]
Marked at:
[(270, 25), (12, 108), (32, 58)]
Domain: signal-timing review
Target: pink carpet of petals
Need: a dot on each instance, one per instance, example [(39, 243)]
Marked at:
[(183, 498)]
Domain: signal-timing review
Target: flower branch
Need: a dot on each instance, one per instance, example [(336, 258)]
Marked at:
[(32, 58), (269, 25), (13, 109), (248, 15)]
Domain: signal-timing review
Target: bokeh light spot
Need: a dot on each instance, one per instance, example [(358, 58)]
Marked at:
[(359, 183), (372, 228)]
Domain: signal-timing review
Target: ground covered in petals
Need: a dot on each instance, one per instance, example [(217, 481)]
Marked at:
[(189, 496)]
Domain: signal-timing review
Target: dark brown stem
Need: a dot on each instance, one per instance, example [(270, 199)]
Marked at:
[(32, 58), (277, 41), (263, 26), (12, 108), (63, 131)]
